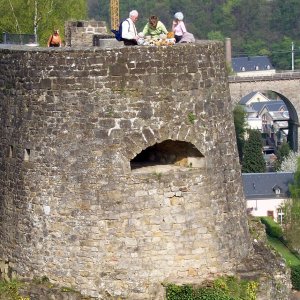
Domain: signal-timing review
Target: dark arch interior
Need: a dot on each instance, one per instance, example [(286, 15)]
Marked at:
[(169, 152)]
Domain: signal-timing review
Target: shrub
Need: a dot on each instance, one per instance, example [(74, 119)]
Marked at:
[(273, 229), (223, 288), (208, 293), (176, 292), (186, 292), (295, 276)]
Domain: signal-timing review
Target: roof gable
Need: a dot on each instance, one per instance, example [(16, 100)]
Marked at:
[(265, 185), (274, 105), (253, 97)]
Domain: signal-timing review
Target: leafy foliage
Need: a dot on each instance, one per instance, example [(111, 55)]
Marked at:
[(273, 229), (9, 290), (239, 116), (292, 212), (223, 288), (42, 16), (295, 276), (289, 163), (253, 160), (282, 153), (256, 27)]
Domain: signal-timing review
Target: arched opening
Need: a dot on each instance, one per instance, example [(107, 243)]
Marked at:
[(275, 117), (168, 154)]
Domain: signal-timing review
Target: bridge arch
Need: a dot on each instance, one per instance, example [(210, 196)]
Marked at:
[(287, 87)]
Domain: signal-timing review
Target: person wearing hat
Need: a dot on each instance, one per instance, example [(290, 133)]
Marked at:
[(54, 39), (178, 26)]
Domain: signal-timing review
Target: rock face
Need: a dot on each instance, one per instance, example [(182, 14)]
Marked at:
[(265, 266), (119, 169)]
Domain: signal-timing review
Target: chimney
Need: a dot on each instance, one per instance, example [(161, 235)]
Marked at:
[(228, 51)]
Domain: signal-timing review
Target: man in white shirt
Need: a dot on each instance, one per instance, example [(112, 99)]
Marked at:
[(129, 32)]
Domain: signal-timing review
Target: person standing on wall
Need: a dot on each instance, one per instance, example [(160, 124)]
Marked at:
[(54, 39), (129, 32), (178, 26)]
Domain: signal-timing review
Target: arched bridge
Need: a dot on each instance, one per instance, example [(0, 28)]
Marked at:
[(286, 85)]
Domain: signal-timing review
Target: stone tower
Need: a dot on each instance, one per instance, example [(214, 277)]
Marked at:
[(119, 169)]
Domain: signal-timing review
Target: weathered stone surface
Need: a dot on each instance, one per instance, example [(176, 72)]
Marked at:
[(76, 210)]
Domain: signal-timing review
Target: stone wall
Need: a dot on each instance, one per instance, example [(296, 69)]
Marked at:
[(74, 209), (82, 33)]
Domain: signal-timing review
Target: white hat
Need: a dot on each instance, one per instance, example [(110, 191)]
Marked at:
[(178, 16)]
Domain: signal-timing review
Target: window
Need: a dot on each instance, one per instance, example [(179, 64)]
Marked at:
[(280, 216), (11, 151), (26, 154)]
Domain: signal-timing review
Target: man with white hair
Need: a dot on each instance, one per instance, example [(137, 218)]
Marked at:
[(129, 32)]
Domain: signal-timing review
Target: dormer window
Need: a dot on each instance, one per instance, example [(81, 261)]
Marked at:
[(277, 190)]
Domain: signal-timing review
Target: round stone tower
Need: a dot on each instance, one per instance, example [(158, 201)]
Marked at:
[(119, 169)]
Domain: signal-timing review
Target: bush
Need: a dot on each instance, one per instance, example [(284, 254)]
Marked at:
[(273, 229), (223, 288), (295, 276), (187, 292)]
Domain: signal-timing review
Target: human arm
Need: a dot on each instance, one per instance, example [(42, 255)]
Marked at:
[(49, 41), (146, 29), (174, 24), (162, 27), (183, 29)]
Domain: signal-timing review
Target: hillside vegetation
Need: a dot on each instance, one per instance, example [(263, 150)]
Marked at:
[(256, 27)]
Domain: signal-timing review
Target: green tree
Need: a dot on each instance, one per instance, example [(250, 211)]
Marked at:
[(253, 160), (239, 116), (282, 153), (39, 16), (291, 222)]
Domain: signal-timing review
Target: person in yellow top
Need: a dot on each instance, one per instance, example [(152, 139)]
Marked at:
[(54, 39), (154, 28)]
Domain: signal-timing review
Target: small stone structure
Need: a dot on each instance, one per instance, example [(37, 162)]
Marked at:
[(119, 169), (85, 33)]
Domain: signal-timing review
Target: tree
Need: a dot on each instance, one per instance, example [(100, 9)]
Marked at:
[(289, 163), (239, 116), (291, 221), (253, 160), (39, 16), (281, 154)]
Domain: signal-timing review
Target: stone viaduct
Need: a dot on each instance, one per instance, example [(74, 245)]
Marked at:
[(119, 170), (286, 85)]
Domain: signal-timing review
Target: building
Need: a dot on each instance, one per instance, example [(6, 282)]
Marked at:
[(252, 66), (266, 192)]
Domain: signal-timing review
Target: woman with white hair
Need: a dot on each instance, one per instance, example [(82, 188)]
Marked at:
[(129, 32), (178, 26)]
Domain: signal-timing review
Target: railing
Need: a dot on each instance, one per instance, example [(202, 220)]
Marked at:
[(279, 75), (19, 39)]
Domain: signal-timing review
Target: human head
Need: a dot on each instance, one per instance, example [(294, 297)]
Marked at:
[(133, 15), (56, 31), (178, 16), (153, 21)]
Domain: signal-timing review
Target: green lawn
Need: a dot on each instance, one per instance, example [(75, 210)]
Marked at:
[(290, 258)]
